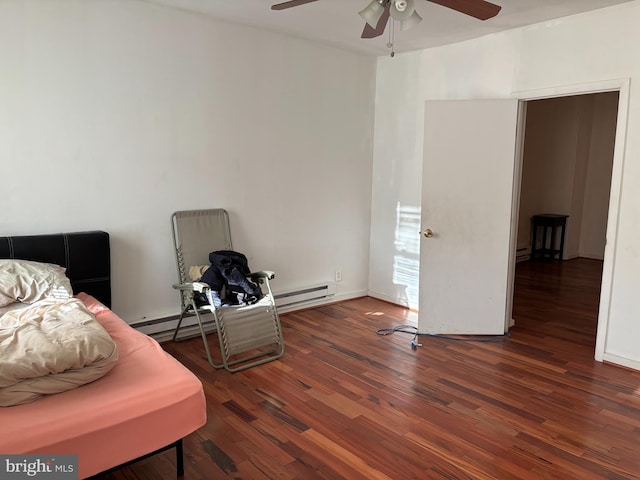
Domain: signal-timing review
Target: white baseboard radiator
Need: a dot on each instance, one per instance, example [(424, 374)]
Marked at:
[(523, 253), (295, 298), (162, 329)]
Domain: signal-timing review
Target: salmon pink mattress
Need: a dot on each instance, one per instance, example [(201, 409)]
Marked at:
[(147, 401)]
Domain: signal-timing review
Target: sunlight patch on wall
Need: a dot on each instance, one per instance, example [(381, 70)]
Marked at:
[(406, 261)]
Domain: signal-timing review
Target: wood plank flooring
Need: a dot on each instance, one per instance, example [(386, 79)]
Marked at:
[(345, 403)]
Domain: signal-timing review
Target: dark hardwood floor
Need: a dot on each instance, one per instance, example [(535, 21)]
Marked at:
[(345, 403)]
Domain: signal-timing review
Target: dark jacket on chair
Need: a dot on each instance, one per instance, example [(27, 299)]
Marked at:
[(227, 276)]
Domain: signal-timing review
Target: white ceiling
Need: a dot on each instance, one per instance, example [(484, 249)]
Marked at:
[(336, 22)]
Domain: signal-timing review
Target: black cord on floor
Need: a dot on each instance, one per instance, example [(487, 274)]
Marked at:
[(410, 329)]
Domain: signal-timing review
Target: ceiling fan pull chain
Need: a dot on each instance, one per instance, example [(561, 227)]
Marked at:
[(391, 36)]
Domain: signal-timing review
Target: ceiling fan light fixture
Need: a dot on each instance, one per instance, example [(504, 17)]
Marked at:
[(402, 9), (401, 5), (372, 13), (410, 22)]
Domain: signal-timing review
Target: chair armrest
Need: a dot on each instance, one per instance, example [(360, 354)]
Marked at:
[(268, 274), (192, 287)]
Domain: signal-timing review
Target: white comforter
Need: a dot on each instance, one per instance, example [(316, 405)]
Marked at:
[(51, 346)]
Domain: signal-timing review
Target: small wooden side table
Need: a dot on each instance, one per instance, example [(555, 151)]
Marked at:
[(550, 223)]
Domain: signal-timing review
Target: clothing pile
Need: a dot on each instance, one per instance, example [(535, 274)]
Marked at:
[(227, 277)]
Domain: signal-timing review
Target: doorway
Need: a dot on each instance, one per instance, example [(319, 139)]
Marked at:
[(470, 204), (567, 161)]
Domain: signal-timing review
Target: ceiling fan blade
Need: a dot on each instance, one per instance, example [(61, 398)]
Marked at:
[(370, 32), (291, 3), (476, 8)]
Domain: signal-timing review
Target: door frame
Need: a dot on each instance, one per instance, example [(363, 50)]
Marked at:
[(622, 86)]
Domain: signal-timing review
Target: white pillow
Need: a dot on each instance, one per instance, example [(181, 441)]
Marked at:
[(27, 282)]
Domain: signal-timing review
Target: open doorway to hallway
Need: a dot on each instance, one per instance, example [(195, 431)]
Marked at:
[(566, 170)]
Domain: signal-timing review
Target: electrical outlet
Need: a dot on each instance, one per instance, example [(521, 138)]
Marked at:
[(338, 275)]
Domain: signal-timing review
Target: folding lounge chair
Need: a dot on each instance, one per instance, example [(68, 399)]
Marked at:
[(248, 335)]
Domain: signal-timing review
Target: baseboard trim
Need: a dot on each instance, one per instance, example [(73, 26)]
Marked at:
[(621, 361), (389, 299), (592, 256)]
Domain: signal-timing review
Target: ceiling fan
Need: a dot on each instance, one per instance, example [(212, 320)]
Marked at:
[(377, 13)]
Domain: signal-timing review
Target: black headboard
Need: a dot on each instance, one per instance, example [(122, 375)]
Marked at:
[(85, 255)]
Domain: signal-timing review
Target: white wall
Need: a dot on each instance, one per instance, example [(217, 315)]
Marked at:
[(115, 114), (598, 181), (591, 47)]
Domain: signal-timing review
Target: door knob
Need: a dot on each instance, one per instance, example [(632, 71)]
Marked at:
[(428, 233)]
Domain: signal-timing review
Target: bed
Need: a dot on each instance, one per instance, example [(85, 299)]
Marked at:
[(148, 402)]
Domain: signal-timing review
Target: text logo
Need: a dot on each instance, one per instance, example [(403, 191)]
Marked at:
[(50, 467)]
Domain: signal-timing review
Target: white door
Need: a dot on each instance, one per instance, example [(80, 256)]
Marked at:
[(467, 195)]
